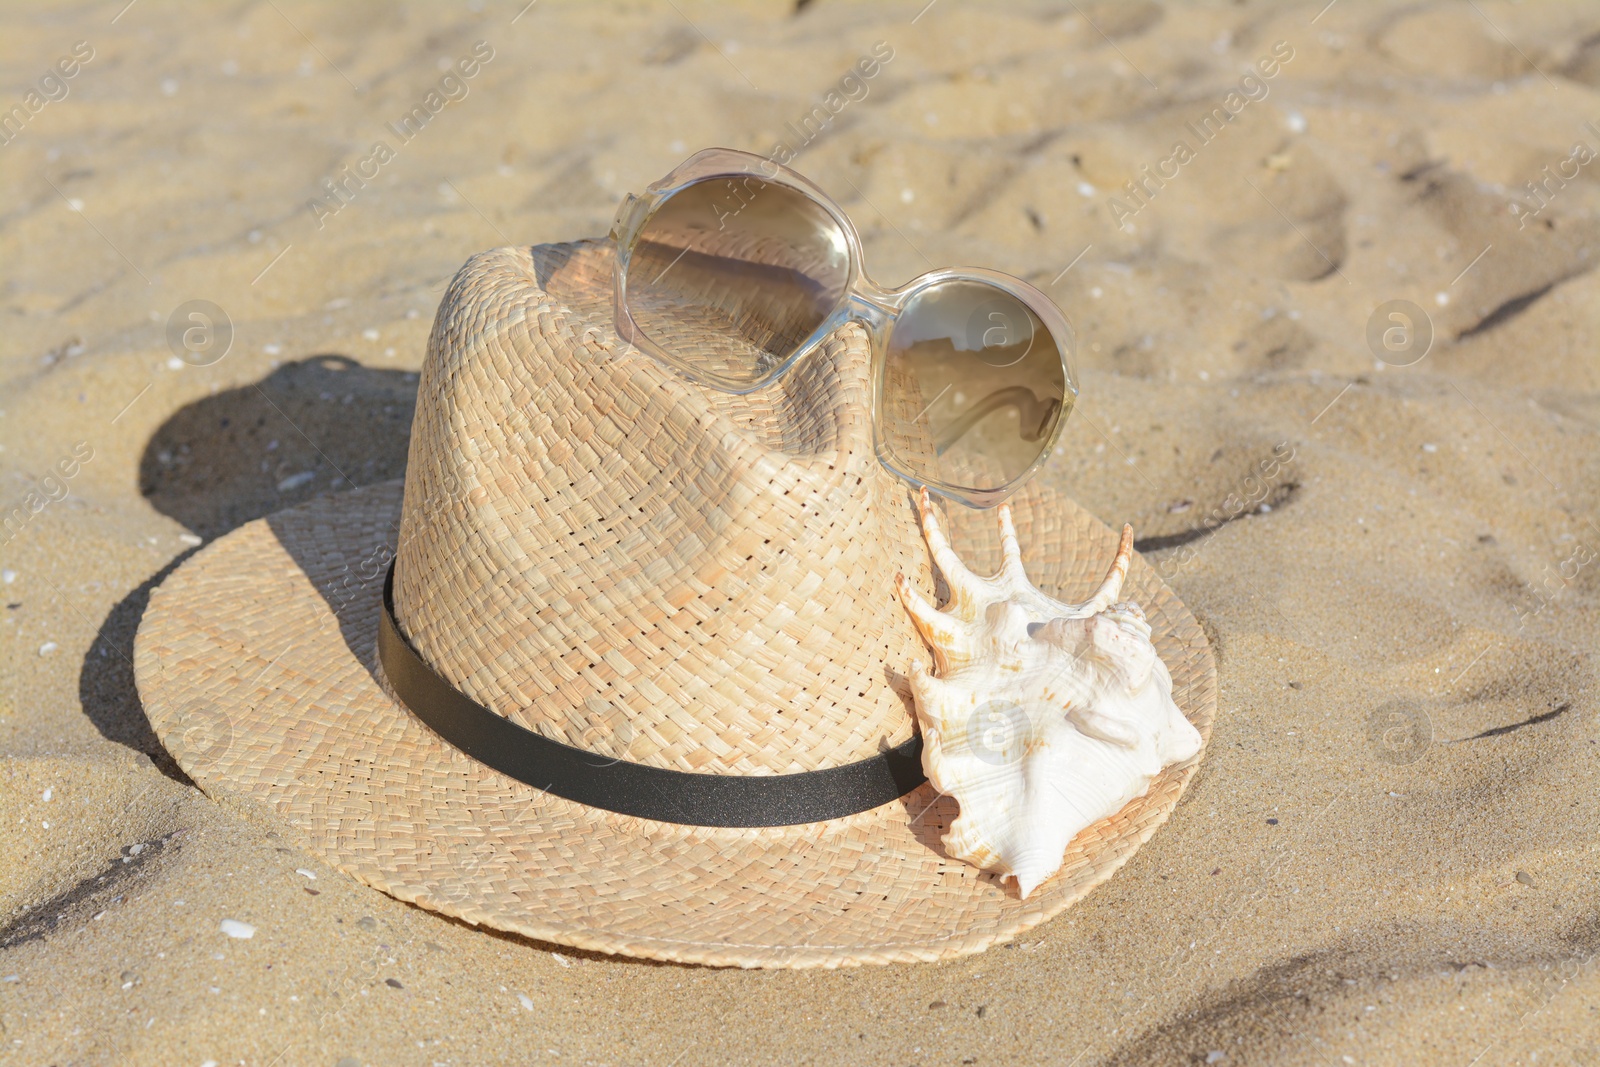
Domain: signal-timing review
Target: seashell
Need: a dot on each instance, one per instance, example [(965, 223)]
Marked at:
[(1043, 717)]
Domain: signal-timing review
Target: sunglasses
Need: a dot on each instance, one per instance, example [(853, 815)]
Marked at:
[(732, 267)]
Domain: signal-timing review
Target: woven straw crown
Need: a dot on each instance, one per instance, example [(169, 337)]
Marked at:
[(642, 567)]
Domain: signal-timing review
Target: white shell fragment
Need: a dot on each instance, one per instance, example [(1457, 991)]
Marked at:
[(1044, 717), (235, 928)]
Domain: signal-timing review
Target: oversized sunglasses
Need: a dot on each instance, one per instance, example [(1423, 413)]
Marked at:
[(732, 267)]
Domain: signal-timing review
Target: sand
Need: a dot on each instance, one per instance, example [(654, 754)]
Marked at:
[(1388, 854)]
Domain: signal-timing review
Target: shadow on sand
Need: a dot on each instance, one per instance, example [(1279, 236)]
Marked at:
[(316, 425)]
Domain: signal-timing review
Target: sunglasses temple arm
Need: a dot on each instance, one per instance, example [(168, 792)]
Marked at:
[(1034, 415)]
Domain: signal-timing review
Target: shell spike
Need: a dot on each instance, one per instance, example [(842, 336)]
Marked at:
[(943, 632), (1111, 588), (966, 588), (1011, 567)]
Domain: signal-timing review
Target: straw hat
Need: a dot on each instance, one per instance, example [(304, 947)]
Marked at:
[(656, 573)]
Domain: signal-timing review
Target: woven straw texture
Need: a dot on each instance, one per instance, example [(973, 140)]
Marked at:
[(634, 565), (596, 540)]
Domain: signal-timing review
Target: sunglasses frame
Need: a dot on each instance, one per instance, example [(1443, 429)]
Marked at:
[(876, 308)]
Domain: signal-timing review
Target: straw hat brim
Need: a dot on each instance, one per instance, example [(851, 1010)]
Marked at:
[(257, 666)]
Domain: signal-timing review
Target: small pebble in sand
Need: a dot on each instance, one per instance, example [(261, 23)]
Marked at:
[(1430, 447), (47, 648), (235, 928), (1296, 122), (47, 794), (369, 334), (393, 983), (272, 350), (1525, 878), (174, 363), (527, 1002), (295, 481), (559, 958), (8, 576), (1216, 1055), (188, 539), (308, 874)]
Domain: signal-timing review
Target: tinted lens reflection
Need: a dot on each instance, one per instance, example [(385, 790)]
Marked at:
[(732, 274), (972, 389)]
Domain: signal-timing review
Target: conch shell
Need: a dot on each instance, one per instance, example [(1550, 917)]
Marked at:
[(1044, 717)]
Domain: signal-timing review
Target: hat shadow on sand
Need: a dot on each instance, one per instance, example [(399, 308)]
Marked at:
[(315, 425)]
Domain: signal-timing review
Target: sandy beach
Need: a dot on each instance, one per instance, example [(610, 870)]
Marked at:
[(1331, 270)]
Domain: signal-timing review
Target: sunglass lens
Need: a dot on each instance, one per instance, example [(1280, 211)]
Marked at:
[(973, 387), (732, 274)]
